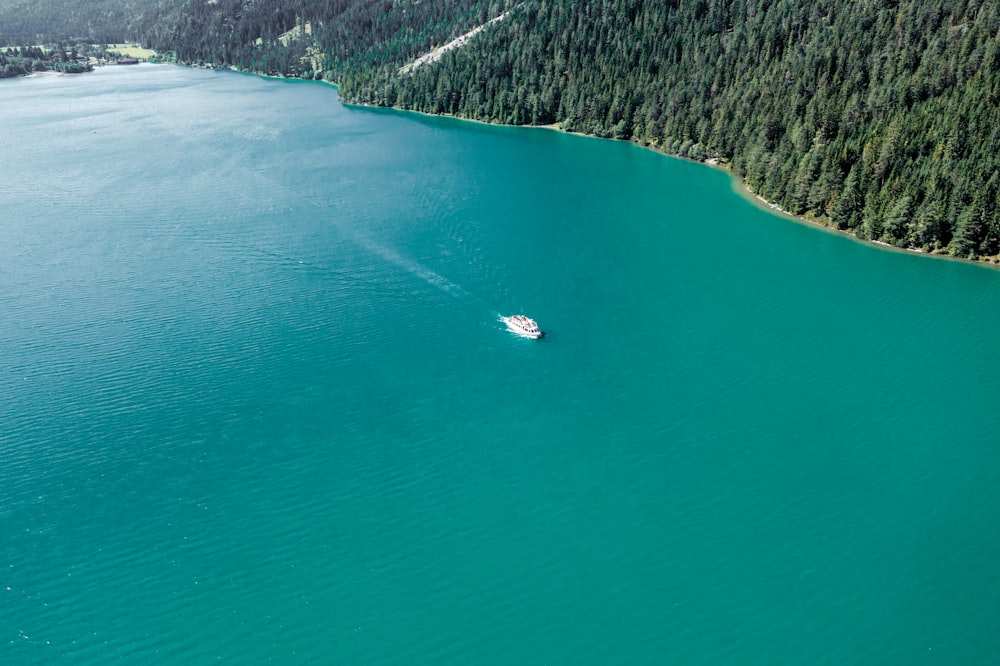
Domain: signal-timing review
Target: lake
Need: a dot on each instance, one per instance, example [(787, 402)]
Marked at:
[(256, 403)]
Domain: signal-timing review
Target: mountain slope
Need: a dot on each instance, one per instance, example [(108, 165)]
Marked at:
[(261, 35), (879, 116), (29, 22)]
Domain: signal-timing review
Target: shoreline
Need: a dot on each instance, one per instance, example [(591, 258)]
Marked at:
[(273, 77), (741, 187), (738, 184)]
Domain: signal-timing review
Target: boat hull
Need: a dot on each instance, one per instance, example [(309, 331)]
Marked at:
[(516, 327)]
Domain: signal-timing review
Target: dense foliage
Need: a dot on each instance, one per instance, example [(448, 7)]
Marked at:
[(307, 38), (32, 22), (26, 60), (878, 116)]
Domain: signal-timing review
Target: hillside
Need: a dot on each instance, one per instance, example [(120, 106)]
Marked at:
[(31, 22), (268, 36), (879, 117)]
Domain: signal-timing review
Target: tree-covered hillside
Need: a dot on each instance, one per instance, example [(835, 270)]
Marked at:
[(32, 22), (879, 116), (307, 38)]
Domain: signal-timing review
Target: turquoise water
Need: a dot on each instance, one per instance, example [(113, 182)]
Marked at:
[(255, 403)]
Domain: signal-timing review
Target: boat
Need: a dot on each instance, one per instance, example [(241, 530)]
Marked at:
[(526, 327)]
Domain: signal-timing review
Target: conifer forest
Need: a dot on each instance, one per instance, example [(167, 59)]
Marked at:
[(877, 117)]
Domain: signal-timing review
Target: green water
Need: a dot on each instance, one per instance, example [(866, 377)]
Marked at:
[(256, 405)]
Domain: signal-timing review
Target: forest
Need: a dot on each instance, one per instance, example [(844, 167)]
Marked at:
[(307, 38), (25, 60), (36, 22), (877, 117)]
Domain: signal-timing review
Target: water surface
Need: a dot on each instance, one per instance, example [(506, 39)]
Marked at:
[(255, 403)]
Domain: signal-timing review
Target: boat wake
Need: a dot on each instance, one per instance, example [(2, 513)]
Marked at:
[(354, 233), (360, 233)]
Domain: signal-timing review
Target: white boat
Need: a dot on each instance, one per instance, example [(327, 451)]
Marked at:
[(526, 327)]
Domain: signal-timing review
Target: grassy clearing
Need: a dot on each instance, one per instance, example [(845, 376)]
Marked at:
[(126, 50), (131, 51)]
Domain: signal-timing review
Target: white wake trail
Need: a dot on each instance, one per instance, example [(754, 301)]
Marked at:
[(356, 235)]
